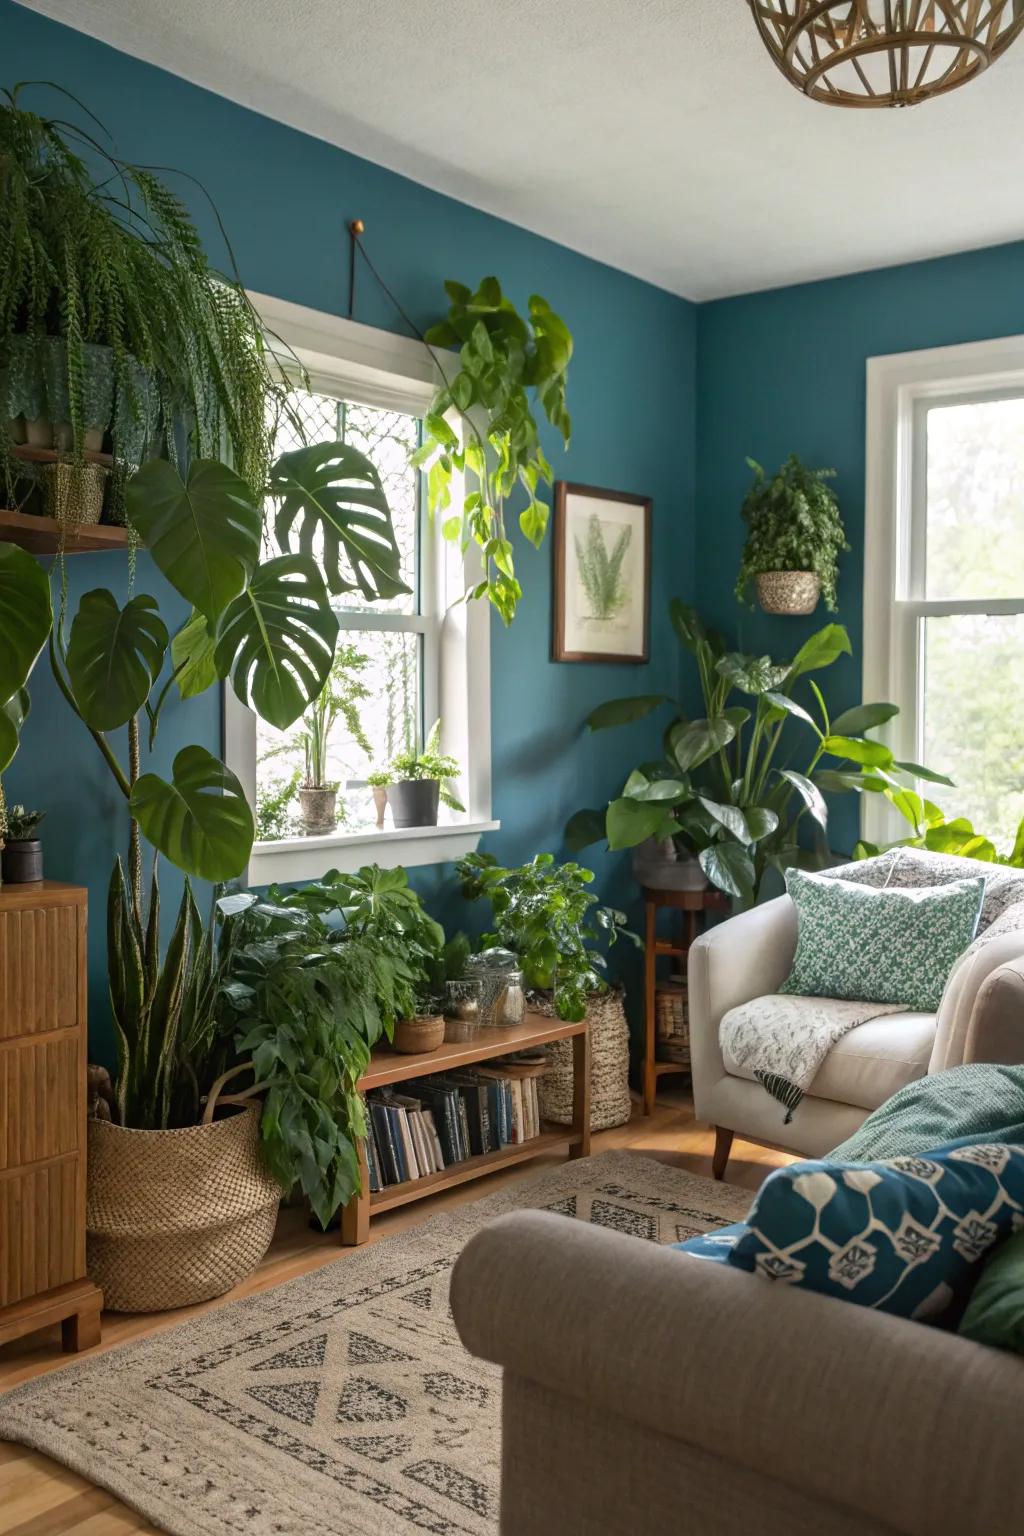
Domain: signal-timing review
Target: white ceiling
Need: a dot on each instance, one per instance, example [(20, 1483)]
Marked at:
[(656, 135)]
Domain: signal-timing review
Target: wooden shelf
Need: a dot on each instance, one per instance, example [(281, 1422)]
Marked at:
[(551, 1139), (42, 535), (390, 1066), (32, 455), (661, 1067)]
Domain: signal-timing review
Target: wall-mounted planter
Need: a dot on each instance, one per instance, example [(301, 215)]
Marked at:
[(792, 592), (414, 802)]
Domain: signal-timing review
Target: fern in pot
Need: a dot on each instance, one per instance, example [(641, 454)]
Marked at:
[(794, 539), (418, 782)]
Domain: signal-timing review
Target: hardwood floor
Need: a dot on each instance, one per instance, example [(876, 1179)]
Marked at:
[(40, 1498)]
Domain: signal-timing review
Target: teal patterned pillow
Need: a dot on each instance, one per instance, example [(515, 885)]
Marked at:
[(896, 945)]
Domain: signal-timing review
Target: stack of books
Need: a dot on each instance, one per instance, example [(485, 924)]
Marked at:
[(434, 1122)]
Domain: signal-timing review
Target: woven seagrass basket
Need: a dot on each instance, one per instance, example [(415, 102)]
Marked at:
[(610, 1103), (176, 1217)]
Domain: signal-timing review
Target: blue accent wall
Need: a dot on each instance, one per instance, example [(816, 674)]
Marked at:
[(785, 371), (286, 200)]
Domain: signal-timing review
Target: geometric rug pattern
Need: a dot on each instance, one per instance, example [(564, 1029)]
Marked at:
[(341, 1402)]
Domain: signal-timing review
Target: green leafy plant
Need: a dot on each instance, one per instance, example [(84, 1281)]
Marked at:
[(504, 360), (268, 627), (274, 799), (930, 828), (303, 1002), (101, 257), (725, 789), (601, 569), (378, 778), (545, 913), (339, 699), (431, 763), (22, 825), (794, 524)]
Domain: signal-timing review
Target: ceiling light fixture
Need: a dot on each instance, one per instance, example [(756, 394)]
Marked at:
[(885, 53)]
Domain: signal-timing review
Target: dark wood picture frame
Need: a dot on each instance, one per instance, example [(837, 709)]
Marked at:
[(559, 649)]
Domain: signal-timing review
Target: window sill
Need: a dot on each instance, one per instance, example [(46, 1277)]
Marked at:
[(308, 858)]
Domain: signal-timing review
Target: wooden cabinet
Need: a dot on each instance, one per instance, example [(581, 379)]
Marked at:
[(42, 1114)]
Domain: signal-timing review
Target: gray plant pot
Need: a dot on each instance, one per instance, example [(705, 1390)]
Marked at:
[(22, 861), (318, 811), (414, 802), (659, 866)]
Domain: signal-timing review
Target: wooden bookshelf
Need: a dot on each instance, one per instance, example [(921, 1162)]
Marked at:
[(42, 535), (389, 1066)]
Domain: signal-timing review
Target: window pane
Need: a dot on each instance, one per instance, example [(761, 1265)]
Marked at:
[(975, 535), (387, 713), (973, 676), (387, 438)]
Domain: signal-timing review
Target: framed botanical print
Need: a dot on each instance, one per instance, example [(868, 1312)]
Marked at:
[(602, 575)]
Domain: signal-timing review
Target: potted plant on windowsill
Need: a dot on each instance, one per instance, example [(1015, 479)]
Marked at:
[(419, 781), (795, 536), (378, 780), (23, 852), (340, 698)]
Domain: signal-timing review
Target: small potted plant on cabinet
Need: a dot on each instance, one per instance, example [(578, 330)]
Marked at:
[(23, 852), (419, 781), (794, 540)]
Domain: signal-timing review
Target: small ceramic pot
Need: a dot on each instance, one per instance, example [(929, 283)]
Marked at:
[(74, 493), (420, 1034), (318, 810), (658, 865), (414, 802), (22, 861), (792, 592), (380, 803)]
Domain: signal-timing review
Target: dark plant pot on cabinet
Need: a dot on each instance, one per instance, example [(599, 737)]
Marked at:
[(414, 802), (22, 861)]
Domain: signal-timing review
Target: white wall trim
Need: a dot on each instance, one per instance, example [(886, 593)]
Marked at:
[(897, 385), (308, 858)]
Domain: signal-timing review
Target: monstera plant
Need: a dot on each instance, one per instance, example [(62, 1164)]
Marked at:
[(25, 620), (267, 627)]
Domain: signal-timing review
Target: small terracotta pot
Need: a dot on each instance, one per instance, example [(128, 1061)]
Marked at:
[(421, 1034), (380, 802), (792, 592)]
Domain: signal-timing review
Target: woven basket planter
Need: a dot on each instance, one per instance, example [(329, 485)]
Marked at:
[(610, 1103), (176, 1217), (788, 591)]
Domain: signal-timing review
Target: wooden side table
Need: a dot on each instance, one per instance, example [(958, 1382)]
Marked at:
[(689, 905)]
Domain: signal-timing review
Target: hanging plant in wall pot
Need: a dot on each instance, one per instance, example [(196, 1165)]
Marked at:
[(794, 539)]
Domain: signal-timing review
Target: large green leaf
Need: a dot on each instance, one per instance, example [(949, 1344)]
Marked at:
[(333, 508), (811, 795), (624, 711), (750, 674), (25, 616), (729, 867), (836, 782), (821, 650), (693, 743), (276, 640), (870, 754), (631, 822), (791, 707), (114, 657), (192, 652), (687, 623), (203, 532), (201, 820), (863, 717), (12, 718), (728, 816), (584, 828), (920, 772), (639, 786), (761, 820)]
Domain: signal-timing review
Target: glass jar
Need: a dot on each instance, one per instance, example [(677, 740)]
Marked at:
[(462, 1009), (514, 1006), (492, 968)]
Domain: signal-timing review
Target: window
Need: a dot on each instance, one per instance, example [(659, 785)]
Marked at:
[(403, 662), (944, 573)]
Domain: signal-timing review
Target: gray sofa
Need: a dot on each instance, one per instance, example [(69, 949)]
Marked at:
[(647, 1392)]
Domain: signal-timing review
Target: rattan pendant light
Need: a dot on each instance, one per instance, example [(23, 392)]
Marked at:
[(885, 53)]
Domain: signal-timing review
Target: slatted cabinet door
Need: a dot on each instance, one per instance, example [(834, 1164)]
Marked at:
[(42, 1101)]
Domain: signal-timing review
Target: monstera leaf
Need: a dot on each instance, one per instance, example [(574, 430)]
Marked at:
[(114, 657), (192, 652), (333, 508), (25, 616), (203, 532), (12, 718), (201, 820), (276, 641)]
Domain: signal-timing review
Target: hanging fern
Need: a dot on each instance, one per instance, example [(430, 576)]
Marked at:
[(95, 250)]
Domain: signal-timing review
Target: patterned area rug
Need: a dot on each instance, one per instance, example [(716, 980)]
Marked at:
[(341, 1402)]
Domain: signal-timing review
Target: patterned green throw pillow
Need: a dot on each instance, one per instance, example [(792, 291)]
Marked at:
[(895, 945)]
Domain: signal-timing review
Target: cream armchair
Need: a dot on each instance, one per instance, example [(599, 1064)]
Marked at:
[(750, 955)]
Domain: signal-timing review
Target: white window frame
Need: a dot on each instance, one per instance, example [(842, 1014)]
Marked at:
[(900, 389), (345, 358)]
